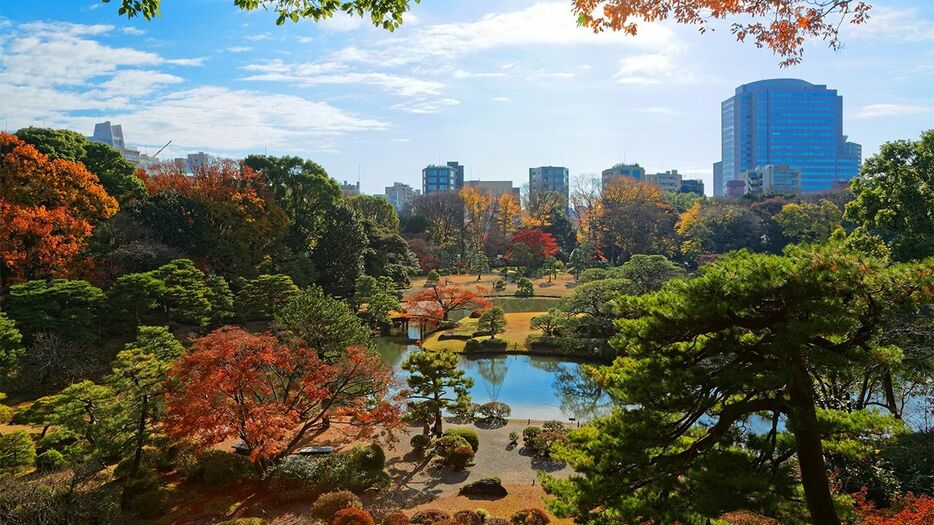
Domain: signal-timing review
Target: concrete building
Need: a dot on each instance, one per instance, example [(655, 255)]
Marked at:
[(735, 188), (718, 179), (549, 178), (112, 135), (633, 171), (495, 187), (769, 179), (442, 178), (349, 188), (692, 186), (194, 161), (401, 196), (667, 181), (787, 122)]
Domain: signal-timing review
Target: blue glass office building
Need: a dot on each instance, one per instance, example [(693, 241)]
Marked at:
[(442, 178), (787, 122)]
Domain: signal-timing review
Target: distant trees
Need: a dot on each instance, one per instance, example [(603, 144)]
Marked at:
[(894, 198), (719, 228), (541, 245), (271, 394), (492, 321), (808, 221), (436, 384), (377, 299), (263, 297), (11, 347), (48, 209)]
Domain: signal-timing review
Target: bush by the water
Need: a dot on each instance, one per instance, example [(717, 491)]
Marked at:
[(469, 435), (524, 288), (352, 517), (492, 487), (220, 468), (330, 503), (429, 517), (485, 345)]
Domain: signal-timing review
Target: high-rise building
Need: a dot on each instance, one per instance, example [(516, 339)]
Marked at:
[(194, 161), (633, 171), (442, 178), (787, 122), (401, 197), (349, 189), (495, 187), (549, 178), (667, 181), (718, 179), (735, 188), (692, 186), (768, 179), (110, 134)]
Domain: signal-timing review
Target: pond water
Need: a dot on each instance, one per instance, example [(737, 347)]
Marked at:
[(535, 387)]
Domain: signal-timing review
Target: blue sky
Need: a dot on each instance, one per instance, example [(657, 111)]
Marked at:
[(497, 85)]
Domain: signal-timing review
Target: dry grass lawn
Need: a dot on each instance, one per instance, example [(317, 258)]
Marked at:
[(518, 327)]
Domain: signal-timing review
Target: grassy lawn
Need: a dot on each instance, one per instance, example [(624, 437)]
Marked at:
[(560, 287), (517, 329)]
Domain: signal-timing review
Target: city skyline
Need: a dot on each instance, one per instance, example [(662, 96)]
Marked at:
[(483, 87)]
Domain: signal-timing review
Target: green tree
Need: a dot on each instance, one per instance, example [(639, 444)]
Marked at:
[(808, 221), (339, 253), (520, 255), (479, 263), (221, 299), (187, 298), (552, 324), (382, 13), (262, 297), (137, 378), (436, 384), (717, 228), (133, 297), (377, 209), (11, 346), (550, 266), (377, 298), (750, 338), (117, 175), (492, 321), (894, 197), (17, 451), (92, 413), (387, 253), (65, 307), (593, 301), (324, 323), (649, 272), (581, 258)]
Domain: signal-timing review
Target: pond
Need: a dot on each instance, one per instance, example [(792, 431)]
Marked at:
[(535, 387)]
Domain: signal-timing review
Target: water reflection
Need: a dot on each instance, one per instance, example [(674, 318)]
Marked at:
[(535, 387)]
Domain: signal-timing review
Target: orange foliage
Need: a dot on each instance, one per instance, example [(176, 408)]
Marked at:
[(911, 510), (270, 394), (433, 304), (352, 516), (784, 25), (508, 213), (48, 209)]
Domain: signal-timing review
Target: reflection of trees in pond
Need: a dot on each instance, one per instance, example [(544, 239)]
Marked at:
[(579, 393), (493, 371)]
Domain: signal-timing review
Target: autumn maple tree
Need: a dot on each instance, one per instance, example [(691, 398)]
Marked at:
[(541, 244), (48, 209), (271, 394), (780, 25), (435, 303)]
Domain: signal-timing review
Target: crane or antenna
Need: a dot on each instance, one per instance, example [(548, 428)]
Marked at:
[(156, 154)]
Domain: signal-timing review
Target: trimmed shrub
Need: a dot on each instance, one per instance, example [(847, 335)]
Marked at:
[(530, 517), (301, 477), (329, 504), (485, 345), (396, 517), (429, 517), (245, 521), (352, 516), (369, 457), (420, 441), (496, 521), (529, 434), (469, 435), (554, 426), (454, 451), (492, 487), (524, 288), (17, 451), (50, 460), (467, 517), (495, 410), (460, 458), (433, 277), (152, 503), (220, 468)]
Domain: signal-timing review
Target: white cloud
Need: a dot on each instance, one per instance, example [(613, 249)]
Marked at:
[(258, 37), (891, 110), (501, 99), (895, 25), (305, 40), (239, 49), (425, 105), (644, 69), (342, 22), (135, 31), (138, 82), (322, 73), (460, 73)]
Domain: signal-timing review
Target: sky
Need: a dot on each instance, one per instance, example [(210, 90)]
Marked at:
[(499, 85)]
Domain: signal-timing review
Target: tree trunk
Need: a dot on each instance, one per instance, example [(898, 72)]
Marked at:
[(890, 399), (140, 440), (802, 421), (436, 429)]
